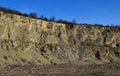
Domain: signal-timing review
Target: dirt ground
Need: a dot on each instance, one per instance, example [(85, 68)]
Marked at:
[(109, 69)]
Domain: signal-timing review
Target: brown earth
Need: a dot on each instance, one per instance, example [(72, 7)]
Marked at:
[(109, 69)]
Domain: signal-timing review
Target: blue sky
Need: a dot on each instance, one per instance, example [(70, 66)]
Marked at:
[(83, 11)]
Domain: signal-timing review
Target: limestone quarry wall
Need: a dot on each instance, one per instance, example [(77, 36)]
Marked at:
[(29, 41)]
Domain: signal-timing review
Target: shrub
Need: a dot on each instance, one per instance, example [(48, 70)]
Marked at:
[(52, 18), (32, 14)]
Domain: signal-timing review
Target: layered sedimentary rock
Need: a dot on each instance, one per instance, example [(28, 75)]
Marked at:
[(29, 41)]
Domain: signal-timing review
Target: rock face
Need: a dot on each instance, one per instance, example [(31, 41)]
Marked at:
[(28, 41)]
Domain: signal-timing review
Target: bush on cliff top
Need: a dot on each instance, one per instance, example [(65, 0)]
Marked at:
[(52, 19)]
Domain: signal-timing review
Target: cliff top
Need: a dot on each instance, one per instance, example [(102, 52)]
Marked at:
[(34, 15)]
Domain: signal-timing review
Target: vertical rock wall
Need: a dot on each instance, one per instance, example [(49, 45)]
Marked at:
[(28, 41)]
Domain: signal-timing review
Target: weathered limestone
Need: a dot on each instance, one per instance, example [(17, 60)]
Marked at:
[(28, 41)]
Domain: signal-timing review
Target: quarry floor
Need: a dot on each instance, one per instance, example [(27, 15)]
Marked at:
[(109, 69)]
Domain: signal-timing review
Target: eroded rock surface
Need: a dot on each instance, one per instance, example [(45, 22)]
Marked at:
[(28, 41)]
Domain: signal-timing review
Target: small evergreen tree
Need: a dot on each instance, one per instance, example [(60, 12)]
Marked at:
[(52, 18), (74, 21), (43, 18), (32, 14)]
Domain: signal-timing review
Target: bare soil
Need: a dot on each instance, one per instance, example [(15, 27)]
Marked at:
[(109, 69)]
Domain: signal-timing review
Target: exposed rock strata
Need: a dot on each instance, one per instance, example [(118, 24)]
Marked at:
[(28, 41)]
